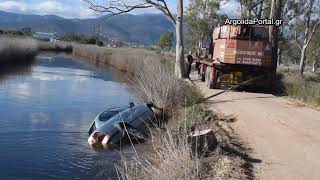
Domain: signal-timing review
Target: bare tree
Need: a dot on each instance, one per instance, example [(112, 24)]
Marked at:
[(116, 7), (305, 22), (253, 8)]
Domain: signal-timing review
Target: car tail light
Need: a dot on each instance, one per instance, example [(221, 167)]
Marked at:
[(98, 136), (105, 140)]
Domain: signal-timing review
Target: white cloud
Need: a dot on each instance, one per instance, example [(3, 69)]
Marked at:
[(74, 9), (13, 5), (49, 7), (79, 9)]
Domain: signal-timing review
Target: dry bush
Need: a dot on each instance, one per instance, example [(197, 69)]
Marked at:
[(171, 155), (155, 82), (172, 160), (17, 49), (301, 88)]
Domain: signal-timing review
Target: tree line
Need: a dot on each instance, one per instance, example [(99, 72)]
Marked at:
[(83, 39), (26, 31), (299, 32)]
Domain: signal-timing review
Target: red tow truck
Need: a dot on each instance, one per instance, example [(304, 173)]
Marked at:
[(239, 53)]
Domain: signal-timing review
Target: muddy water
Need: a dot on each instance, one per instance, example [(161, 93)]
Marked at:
[(45, 110)]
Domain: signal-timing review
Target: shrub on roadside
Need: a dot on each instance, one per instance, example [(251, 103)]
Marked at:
[(301, 88), (155, 82)]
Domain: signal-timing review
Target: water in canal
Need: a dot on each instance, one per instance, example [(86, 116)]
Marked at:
[(45, 111)]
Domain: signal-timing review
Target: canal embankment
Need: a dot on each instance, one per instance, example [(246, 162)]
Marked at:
[(151, 76)]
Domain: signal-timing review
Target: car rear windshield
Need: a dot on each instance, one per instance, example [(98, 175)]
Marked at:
[(106, 115)]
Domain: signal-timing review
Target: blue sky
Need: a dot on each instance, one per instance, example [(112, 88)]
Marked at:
[(78, 8)]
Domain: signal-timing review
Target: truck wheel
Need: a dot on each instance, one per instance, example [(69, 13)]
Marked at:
[(201, 77), (209, 82), (207, 77), (268, 85), (202, 72), (212, 83), (216, 83)]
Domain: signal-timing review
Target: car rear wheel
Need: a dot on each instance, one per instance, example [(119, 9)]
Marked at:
[(201, 77)]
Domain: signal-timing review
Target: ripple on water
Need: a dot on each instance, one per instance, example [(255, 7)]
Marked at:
[(44, 116)]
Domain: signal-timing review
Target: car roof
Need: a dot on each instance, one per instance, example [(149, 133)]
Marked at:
[(126, 116), (132, 113)]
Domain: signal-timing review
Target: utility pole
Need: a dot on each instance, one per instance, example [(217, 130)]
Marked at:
[(180, 65), (97, 30)]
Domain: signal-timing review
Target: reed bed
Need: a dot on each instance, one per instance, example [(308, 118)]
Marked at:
[(155, 82), (171, 160), (121, 58), (150, 73), (14, 50), (56, 46)]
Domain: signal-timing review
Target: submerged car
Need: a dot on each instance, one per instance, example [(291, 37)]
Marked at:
[(120, 124)]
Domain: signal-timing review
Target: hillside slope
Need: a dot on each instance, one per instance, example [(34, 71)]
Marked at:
[(145, 28)]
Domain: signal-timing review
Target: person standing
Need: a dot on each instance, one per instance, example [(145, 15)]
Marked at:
[(189, 60)]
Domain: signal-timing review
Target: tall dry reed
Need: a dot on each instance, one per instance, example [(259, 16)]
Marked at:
[(120, 58), (172, 160), (17, 49), (56, 46), (150, 72), (154, 81)]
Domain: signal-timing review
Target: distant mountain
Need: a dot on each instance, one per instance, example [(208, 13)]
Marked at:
[(146, 28)]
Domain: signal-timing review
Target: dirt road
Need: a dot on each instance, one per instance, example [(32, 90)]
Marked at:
[(284, 135)]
